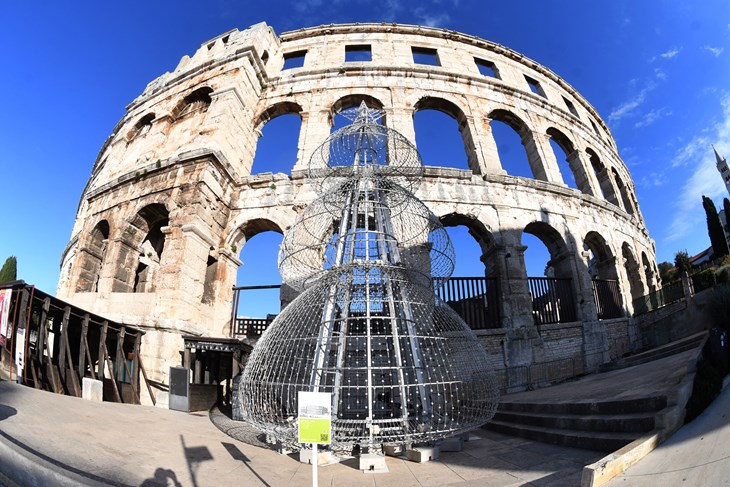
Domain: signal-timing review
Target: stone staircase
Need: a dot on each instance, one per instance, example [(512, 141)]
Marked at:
[(607, 410)]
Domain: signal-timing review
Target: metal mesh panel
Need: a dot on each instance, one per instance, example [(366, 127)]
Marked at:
[(401, 365)]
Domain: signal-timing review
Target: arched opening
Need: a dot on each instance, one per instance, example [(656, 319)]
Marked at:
[(604, 276), (603, 178), (633, 272), (552, 289), (92, 258), (259, 251), (649, 273), (142, 126), (443, 137), (278, 145), (510, 136), (152, 219), (623, 191), (473, 290), (568, 160), (197, 101)]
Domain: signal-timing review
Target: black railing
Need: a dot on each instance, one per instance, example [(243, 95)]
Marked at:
[(475, 299), (552, 300), (251, 327), (666, 295), (607, 296)]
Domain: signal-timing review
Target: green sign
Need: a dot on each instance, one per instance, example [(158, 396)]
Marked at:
[(315, 420)]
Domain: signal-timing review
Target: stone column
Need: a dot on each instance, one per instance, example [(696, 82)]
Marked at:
[(315, 129), (489, 162), (401, 119), (541, 157), (580, 173)]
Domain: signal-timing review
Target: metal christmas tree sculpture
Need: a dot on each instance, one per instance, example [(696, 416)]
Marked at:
[(402, 366)]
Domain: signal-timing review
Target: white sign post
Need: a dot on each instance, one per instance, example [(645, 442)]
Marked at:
[(315, 423)]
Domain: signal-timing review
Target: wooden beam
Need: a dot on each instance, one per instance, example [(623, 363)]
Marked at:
[(83, 347), (102, 349), (67, 352), (109, 364), (64, 342), (147, 382), (42, 336), (120, 353)]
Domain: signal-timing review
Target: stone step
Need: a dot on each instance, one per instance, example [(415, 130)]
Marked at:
[(622, 406), (597, 441), (688, 343), (616, 423)]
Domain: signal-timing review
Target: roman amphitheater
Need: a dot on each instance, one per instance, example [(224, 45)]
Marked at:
[(172, 200)]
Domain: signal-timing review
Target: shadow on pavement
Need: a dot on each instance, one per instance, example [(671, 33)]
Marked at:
[(238, 455)]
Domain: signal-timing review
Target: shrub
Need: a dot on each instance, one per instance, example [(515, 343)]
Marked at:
[(722, 275), (706, 387), (719, 306), (703, 280), (9, 271)]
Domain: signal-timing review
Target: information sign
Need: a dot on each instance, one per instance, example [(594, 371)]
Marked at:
[(315, 417)]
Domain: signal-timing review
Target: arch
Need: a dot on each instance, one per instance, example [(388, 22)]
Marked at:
[(140, 248), (649, 273), (623, 191), (631, 265), (142, 126), (197, 101), (553, 296), (478, 232), (603, 177), (574, 175), (604, 276), (452, 110), (277, 148), (92, 258), (514, 122), (276, 110), (250, 228)]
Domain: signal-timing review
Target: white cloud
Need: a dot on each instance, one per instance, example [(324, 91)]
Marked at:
[(669, 54), (715, 51), (652, 116), (431, 19), (629, 106), (653, 180), (704, 180), (660, 74)]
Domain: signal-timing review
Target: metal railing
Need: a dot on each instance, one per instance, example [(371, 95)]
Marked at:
[(475, 300), (668, 294), (251, 327), (607, 296), (552, 300)]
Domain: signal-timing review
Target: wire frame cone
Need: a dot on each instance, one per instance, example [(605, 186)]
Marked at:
[(402, 366)]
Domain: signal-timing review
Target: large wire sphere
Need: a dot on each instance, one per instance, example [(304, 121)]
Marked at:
[(415, 234), (366, 145), (401, 365)]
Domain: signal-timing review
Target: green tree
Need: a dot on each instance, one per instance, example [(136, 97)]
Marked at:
[(667, 272), (681, 261), (9, 271), (726, 207), (714, 229)]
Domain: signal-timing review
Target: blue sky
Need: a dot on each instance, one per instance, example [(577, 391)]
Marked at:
[(657, 71)]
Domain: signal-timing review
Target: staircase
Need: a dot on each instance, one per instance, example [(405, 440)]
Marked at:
[(607, 410)]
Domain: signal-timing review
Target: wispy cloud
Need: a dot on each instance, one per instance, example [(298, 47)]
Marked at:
[(432, 19), (652, 116), (669, 54), (715, 51), (704, 180), (653, 180), (628, 107)]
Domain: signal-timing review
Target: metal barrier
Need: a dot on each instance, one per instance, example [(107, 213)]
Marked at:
[(475, 299), (607, 296), (668, 294), (251, 327), (552, 300)]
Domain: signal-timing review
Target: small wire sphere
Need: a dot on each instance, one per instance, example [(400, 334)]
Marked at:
[(401, 365), (366, 145), (411, 236)]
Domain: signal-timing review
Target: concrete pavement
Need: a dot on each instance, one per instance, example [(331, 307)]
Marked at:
[(48, 439), (696, 455)]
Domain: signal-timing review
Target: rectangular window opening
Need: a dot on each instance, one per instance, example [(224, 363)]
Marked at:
[(487, 68), (595, 129), (294, 59), (535, 86), (571, 107), (425, 55), (360, 53)]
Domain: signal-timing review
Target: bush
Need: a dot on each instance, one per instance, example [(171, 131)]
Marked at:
[(719, 306), (722, 275), (706, 387), (703, 280)]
